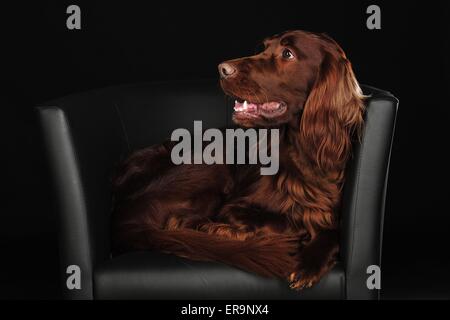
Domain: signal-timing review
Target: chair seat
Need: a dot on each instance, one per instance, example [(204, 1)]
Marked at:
[(154, 275)]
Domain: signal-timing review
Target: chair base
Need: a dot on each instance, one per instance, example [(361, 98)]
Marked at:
[(153, 275)]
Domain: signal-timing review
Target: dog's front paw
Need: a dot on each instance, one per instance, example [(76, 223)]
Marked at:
[(300, 280), (306, 278)]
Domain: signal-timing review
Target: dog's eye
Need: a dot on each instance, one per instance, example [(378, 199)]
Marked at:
[(287, 54)]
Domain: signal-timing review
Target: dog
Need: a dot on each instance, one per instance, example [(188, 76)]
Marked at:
[(285, 225)]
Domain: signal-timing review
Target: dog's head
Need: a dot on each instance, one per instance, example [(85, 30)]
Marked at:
[(296, 72)]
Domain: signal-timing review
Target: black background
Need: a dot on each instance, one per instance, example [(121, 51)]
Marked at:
[(127, 42)]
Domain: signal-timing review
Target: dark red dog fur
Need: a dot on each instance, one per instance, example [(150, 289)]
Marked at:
[(285, 225)]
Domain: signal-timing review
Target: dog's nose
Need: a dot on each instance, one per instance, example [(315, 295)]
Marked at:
[(226, 70)]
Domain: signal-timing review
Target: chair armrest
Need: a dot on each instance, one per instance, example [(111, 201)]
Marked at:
[(74, 239), (83, 145), (364, 196)]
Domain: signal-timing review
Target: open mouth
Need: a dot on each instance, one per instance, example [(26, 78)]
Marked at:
[(246, 109)]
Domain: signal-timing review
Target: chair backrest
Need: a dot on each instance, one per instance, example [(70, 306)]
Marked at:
[(87, 134)]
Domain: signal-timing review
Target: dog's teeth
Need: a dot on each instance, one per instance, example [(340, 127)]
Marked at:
[(245, 104)]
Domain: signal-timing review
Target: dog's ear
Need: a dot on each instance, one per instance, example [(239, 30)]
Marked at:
[(332, 113)]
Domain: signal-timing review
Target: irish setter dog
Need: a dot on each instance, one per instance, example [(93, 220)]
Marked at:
[(284, 225)]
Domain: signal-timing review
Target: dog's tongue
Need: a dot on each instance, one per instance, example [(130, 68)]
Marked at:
[(252, 107)]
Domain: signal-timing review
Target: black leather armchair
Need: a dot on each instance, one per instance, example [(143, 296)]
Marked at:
[(87, 134)]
